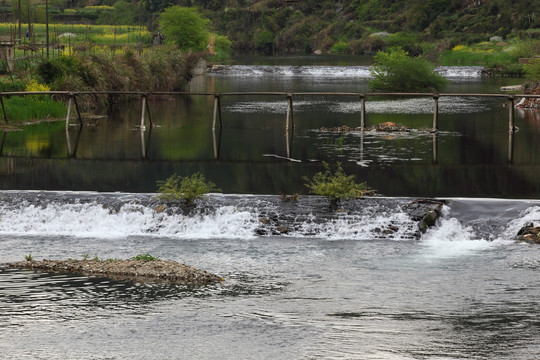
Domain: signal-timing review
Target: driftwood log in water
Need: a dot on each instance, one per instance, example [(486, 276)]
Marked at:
[(155, 271)]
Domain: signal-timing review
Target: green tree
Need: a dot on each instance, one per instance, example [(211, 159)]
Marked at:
[(395, 70), (184, 27)]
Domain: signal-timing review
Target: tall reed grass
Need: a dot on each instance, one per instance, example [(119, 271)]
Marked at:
[(161, 68), (33, 107)]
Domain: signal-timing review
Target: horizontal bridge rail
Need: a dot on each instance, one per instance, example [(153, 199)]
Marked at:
[(72, 98), (261, 93)]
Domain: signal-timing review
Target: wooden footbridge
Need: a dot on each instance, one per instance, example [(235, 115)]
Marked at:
[(217, 119), (72, 96)]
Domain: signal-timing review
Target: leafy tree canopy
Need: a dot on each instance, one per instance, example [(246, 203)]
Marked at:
[(184, 27)]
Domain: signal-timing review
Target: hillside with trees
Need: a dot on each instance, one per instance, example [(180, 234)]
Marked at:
[(348, 26), (304, 26)]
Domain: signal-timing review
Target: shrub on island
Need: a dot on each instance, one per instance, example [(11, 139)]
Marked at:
[(395, 70)]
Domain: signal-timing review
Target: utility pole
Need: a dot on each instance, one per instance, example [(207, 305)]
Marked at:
[(19, 12), (29, 33), (47, 25)]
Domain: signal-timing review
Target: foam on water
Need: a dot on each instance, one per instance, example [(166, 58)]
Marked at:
[(421, 105), (451, 239), (226, 219), (530, 215), (358, 227), (320, 71), (460, 72), (94, 220), (236, 217), (454, 105)]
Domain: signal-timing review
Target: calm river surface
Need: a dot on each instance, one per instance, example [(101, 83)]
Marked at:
[(335, 286)]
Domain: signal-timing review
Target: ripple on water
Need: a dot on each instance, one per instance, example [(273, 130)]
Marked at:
[(29, 296)]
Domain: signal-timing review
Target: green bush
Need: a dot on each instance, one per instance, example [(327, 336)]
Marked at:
[(222, 47), (532, 70), (53, 70), (396, 71), (264, 40), (222, 44), (523, 48), (186, 188), (336, 186), (49, 71), (341, 47)]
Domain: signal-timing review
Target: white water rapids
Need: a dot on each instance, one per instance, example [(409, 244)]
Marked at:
[(319, 71), (332, 287), (236, 217)]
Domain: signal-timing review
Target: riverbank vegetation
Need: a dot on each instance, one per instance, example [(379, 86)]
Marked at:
[(188, 188), (32, 107), (396, 70), (495, 33), (98, 46), (105, 58), (160, 68), (336, 186)]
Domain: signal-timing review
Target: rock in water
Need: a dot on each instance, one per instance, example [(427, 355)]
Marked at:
[(425, 211), (529, 234)]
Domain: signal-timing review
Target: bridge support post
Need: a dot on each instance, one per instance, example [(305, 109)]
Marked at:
[(3, 109), (363, 112), (148, 111), (511, 127), (145, 110), (68, 114), (435, 147), (3, 142), (435, 112), (290, 117), (217, 112), (74, 97), (510, 147)]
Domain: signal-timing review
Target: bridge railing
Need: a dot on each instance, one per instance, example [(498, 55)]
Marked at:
[(288, 96)]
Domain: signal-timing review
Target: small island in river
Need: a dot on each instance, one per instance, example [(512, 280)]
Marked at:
[(142, 271)]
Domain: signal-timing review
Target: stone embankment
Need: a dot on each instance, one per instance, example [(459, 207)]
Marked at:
[(141, 271)]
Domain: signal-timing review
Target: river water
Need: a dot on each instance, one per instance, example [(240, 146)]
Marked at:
[(335, 286)]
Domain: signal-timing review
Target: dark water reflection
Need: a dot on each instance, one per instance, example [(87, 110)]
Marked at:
[(472, 155)]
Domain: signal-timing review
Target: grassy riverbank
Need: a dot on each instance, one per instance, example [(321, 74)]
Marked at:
[(163, 68)]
